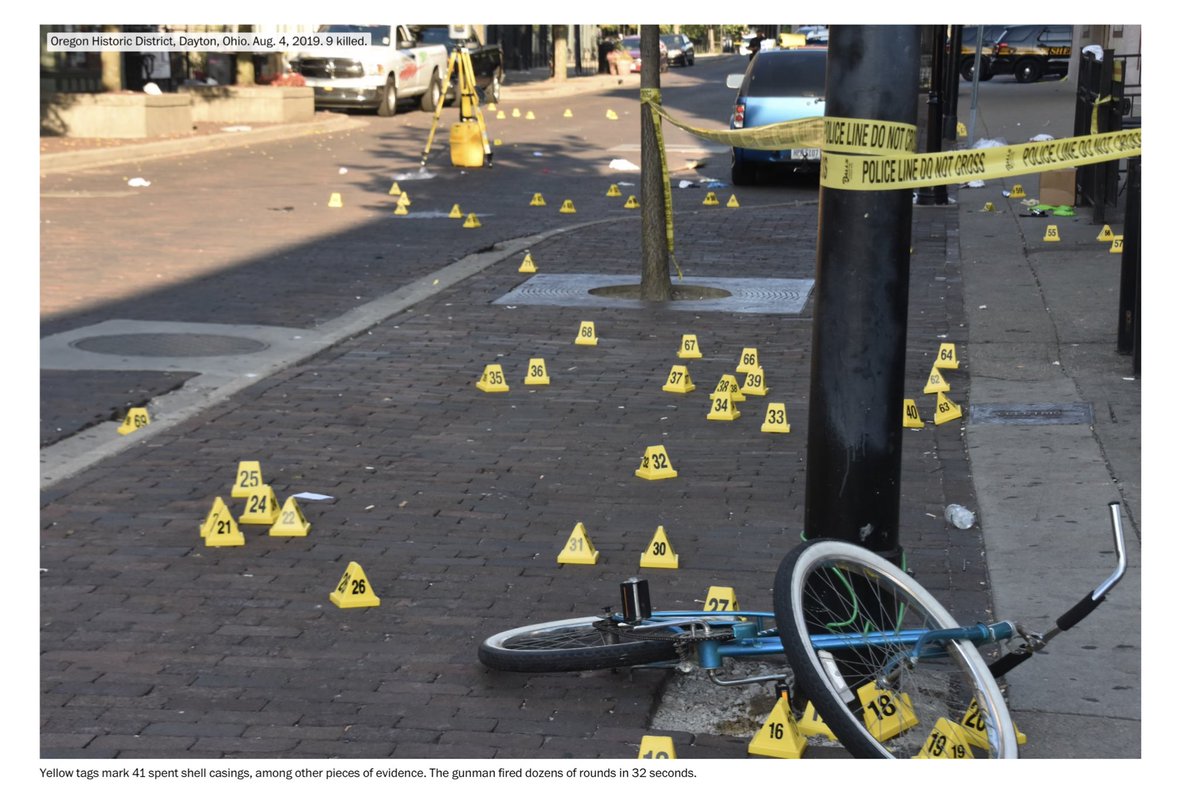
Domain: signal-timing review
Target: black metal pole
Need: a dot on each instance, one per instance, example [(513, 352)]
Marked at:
[(656, 275), (852, 491), (953, 56), (1131, 264), (935, 194)]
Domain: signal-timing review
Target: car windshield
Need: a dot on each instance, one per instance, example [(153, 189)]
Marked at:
[(673, 40), (380, 34), (435, 35), (786, 73)]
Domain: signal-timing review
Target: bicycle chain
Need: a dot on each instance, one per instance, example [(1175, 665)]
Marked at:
[(682, 640)]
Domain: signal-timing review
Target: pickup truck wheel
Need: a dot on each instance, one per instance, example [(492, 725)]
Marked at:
[(387, 103), (429, 100)]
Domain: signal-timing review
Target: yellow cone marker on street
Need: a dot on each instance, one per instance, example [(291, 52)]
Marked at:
[(353, 589), (455, 212), (492, 379), (1017, 192), (961, 130), (947, 356), (988, 207), (500, 115), (335, 200), (611, 115), (567, 114), (679, 380), (527, 264), (529, 115), (733, 202), (811, 725), (537, 374), (947, 410), (711, 200), (1106, 234), (748, 361), (655, 464), (946, 741), (775, 420), (472, 222), (720, 599), (400, 208), (886, 713), (516, 114), (135, 419), (587, 333), (568, 207), (659, 554), (728, 383), (936, 383), (613, 190), (221, 530), (1051, 235), (249, 477), (723, 408), (1118, 245), (579, 549), (974, 727), (912, 417), (218, 510), (537, 201), (632, 203), (395, 191), (653, 747), (689, 348), (261, 507), (779, 737), (755, 383), (291, 522), (491, 106)]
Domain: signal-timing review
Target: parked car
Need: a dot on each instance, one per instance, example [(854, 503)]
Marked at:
[(680, 50), (966, 59), (633, 45), (392, 67), (487, 60), (1028, 52), (778, 85)]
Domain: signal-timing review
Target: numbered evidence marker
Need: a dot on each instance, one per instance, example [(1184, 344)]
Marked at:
[(527, 264), (353, 590), (1051, 235), (656, 747), (632, 203), (492, 379), (135, 419), (537, 201), (537, 374), (946, 741), (775, 420), (689, 348), (472, 222), (779, 737), (659, 555), (261, 507), (578, 548), (1017, 192), (249, 477), (886, 713), (947, 410), (720, 599), (401, 208), (974, 728), (728, 384), (811, 724), (936, 383), (710, 200), (1106, 234), (723, 408), (1118, 245), (733, 202), (912, 417), (221, 530), (587, 333), (755, 383), (679, 380), (749, 360), (568, 207), (291, 522), (655, 464), (947, 356), (614, 190), (455, 212)]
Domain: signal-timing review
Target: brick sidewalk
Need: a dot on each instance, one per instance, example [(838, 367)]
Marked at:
[(456, 503)]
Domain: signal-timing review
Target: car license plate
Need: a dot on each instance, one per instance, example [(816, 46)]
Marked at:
[(806, 154)]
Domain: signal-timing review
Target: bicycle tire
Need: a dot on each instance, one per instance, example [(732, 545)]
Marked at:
[(572, 644), (829, 587)]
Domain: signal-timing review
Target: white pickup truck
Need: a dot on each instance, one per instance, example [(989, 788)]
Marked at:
[(392, 68)]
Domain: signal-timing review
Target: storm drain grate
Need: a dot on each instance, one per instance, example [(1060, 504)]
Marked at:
[(746, 295), (1031, 414), (169, 345)]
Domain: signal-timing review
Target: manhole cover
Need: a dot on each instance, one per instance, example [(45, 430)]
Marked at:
[(170, 345), (1031, 414), (738, 295)]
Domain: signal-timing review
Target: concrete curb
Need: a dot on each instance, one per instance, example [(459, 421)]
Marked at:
[(111, 156)]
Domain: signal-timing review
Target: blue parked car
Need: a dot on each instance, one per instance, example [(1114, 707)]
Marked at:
[(779, 85)]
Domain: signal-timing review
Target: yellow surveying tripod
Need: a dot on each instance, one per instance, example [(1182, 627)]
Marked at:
[(468, 138)]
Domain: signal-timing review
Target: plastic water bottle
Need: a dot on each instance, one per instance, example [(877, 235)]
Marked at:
[(960, 517)]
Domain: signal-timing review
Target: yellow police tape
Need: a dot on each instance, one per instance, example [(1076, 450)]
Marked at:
[(862, 154)]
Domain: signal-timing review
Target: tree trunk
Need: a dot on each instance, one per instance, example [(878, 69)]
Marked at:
[(560, 34), (110, 65), (656, 278)]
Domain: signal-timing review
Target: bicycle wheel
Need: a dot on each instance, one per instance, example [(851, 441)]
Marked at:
[(573, 644), (847, 619)]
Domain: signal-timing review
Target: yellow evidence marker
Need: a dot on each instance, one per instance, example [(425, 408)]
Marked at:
[(1118, 245), (946, 741), (335, 200), (614, 190), (775, 420), (291, 522), (912, 417), (886, 713), (679, 380), (587, 333), (936, 383), (723, 408), (1017, 192), (749, 360), (947, 410), (455, 212), (632, 203), (659, 555), (492, 379), (611, 115), (811, 724), (567, 114), (221, 530), (689, 348), (136, 418), (711, 200), (1051, 235), (655, 464), (733, 202), (527, 264), (779, 737), (500, 115), (1106, 234), (568, 207), (537, 374), (261, 507), (947, 356), (728, 384), (720, 599), (249, 477), (974, 727), (578, 548), (537, 201), (755, 383), (653, 747), (472, 222), (395, 191), (353, 589), (401, 209)]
